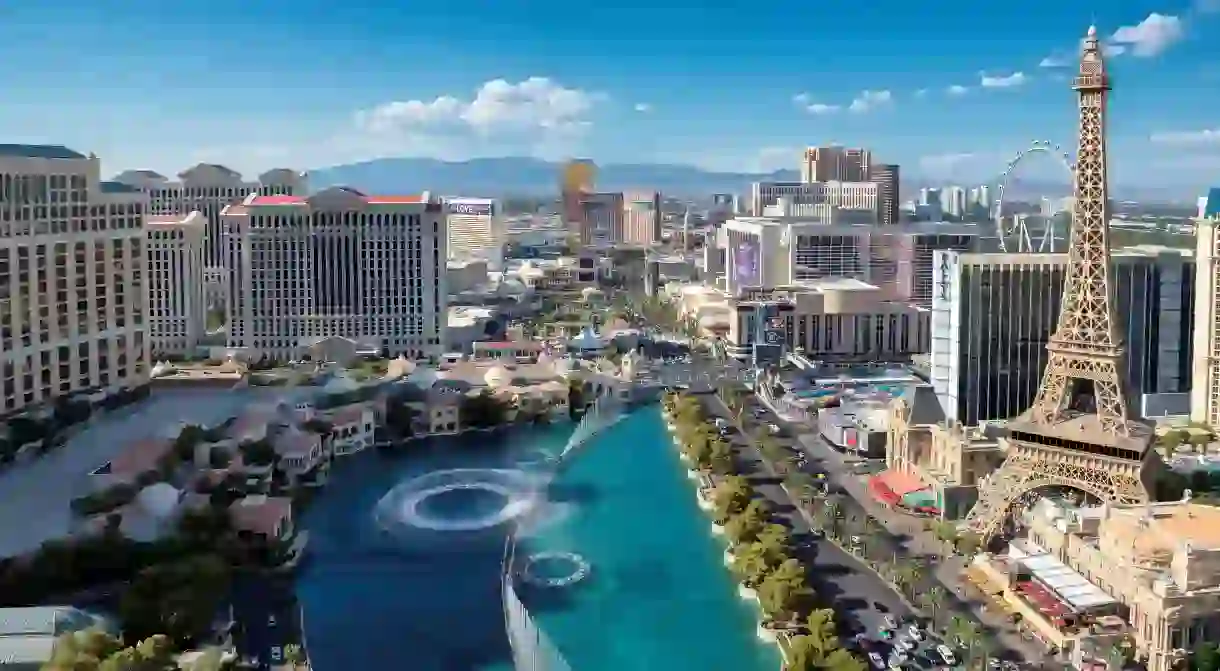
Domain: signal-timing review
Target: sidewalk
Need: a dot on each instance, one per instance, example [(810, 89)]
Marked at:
[(920, 543)]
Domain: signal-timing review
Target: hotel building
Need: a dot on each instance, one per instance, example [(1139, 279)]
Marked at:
[(370, 269), (885, 176), (835, 164), (601, 222), (1089, 578), (1205, 389), (642, 219), (824, 202), (208, 188), (72, 273), (992, 315), (839, 320), (476, 230), (897, 260), (177, 309)]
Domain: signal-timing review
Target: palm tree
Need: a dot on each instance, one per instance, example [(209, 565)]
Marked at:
[(934, 601)]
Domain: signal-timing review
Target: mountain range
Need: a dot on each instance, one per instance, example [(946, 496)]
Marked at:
[(520, 176)]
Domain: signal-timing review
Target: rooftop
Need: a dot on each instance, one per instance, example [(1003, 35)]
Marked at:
[(52, 151), (1176, 523), (140, 456), (117, 187), (303, 200), (260, 514)]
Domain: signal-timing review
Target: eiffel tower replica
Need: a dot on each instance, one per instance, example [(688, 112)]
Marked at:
[(1078, 434)]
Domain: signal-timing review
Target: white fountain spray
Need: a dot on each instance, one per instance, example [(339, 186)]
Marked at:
[(605, 412)]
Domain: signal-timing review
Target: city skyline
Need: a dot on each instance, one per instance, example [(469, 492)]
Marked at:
[(512, 82)]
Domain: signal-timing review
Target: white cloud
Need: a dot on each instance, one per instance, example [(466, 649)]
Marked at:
[(535, 106), (1002, 82), (870, 100), (1054, 61), (643, 108), (957, 90), (1207, 136), (805, 102), (921, 93), (1149, 37)]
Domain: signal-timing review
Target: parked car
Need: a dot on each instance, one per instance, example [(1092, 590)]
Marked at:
[(946, 654), (876, 661), (889, 622), (914, 632)]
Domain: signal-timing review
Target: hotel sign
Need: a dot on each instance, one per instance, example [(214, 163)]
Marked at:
[(472, 209)]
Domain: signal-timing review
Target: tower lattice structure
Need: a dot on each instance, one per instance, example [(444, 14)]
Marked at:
[(1078, 433)]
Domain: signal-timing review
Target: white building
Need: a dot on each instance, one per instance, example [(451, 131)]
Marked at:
[(827, 202), (177, 309), (834, 319), (770, 252), (476, 230), (1205, 383), (72, 272), (338, 263), (208, 188)]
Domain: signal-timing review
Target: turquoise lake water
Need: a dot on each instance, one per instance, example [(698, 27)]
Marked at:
[(382, 593)]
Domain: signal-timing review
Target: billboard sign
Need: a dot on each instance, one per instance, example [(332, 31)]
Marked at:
[(747, 264), (476, 209)]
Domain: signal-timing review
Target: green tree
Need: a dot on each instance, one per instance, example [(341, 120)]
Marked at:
[(933, 601), (178, 599), (745, 527), (783, 590), (751, 565), (720, 457), (1205, 657), (731, 497), (482, 410)]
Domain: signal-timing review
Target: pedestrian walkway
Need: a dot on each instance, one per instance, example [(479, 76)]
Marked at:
[(919, 542)]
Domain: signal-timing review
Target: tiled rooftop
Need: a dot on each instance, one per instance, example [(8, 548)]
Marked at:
[(55, 151)]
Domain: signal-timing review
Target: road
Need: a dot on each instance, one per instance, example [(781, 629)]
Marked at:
[(266, 614), (858, 595), (899, 535)]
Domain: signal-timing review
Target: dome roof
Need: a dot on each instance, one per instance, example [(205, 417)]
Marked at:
[(423, 377), (163, 368), (587, 340), (159, 500), (498, 376)]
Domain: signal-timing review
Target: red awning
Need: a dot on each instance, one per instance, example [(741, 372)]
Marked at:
[(882, 492), (901, 483)]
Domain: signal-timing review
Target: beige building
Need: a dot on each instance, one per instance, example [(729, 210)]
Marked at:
[(641, 218), (834, 202), (72, 270), (833, 163), (1205, 375), (1157, 567), (837, 319), (177, 307), (339, 263), (208, 188), (945, 459), (476, 229)]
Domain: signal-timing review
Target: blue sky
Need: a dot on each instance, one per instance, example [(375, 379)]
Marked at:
[(728, 85)]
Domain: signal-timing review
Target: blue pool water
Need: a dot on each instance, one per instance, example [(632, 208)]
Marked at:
[(380, 593)]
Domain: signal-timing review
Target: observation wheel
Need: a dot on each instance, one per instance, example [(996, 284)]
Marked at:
[(1013, 229)]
